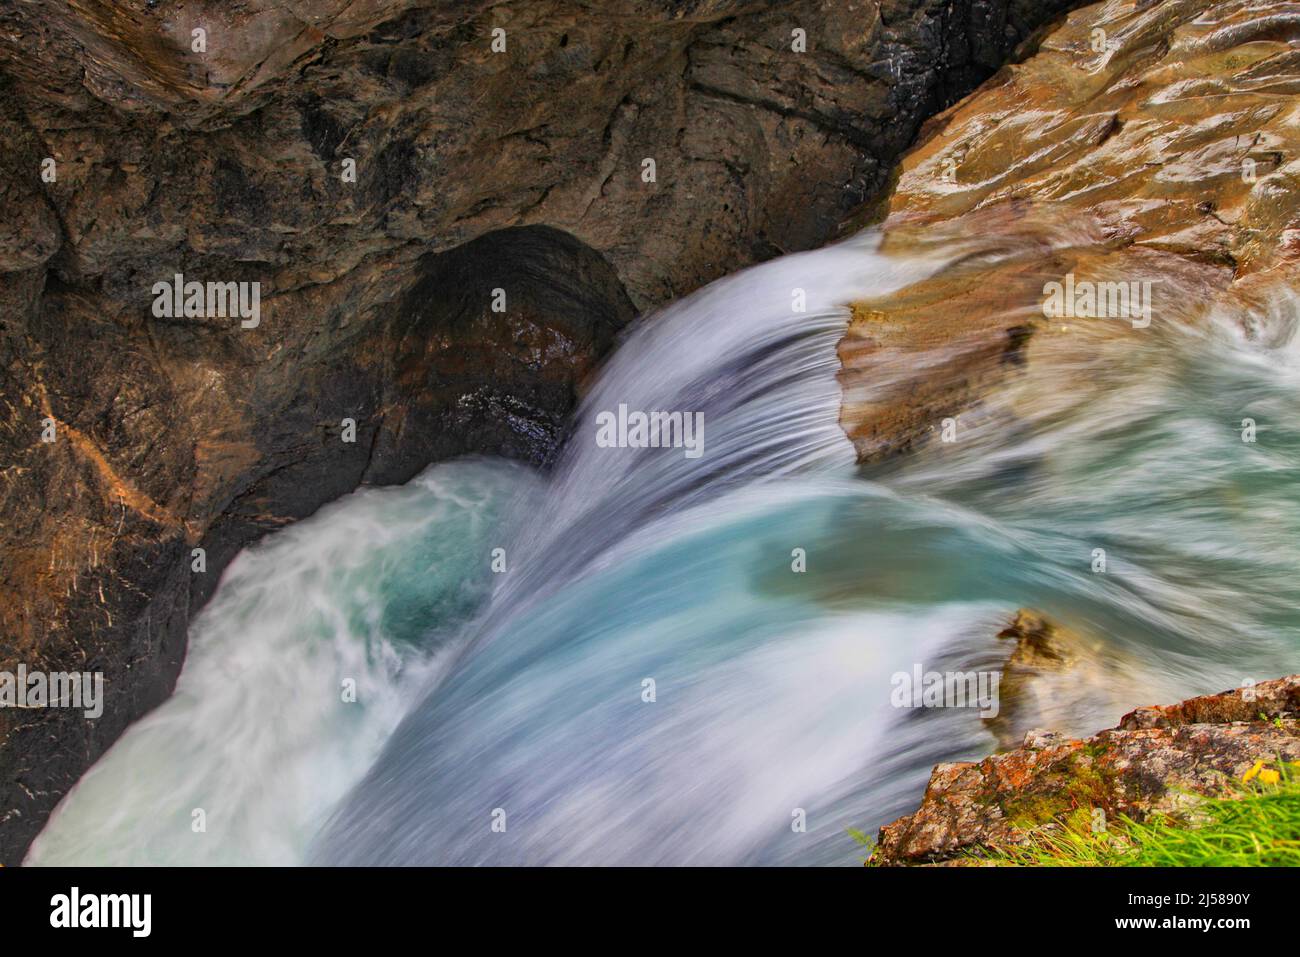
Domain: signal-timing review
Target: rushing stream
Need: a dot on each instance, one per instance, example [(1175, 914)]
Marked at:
[(519, 697)]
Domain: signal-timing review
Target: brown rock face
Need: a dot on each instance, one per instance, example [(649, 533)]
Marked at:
[(1158, 759), (149, 138), (1268, 698), (1154, 141)]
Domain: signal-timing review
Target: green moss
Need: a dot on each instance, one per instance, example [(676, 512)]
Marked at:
[(1028, 811), (1257, 825), (1083, 783)]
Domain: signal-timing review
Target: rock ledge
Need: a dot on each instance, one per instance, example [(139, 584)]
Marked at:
[(1159, 759)]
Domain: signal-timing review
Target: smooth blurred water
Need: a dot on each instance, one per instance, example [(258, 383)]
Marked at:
[(522, 692), (372, 589)]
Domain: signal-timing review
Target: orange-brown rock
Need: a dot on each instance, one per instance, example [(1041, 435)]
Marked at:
[(1145, 765), (1149, 141)]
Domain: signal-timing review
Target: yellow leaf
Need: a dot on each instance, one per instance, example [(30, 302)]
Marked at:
[(1269, 776), (1249, 775)]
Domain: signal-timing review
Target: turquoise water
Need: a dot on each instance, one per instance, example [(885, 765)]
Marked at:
[(520, 697), (372, 590)]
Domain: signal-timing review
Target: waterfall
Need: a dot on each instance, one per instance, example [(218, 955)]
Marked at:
[(649, 658)]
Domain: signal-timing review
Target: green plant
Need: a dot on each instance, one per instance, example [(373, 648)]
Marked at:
[(865, 840), (1255, 825)]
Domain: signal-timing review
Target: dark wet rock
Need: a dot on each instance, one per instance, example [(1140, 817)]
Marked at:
[(474, 171), (1157, 760)]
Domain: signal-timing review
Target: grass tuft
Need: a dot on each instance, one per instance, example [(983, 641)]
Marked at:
[(1256, 824)]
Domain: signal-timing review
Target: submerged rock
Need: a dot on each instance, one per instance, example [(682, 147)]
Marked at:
[(1158, 759), (1040, 644), (1060, 678)]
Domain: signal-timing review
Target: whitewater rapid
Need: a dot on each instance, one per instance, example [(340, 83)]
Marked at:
[(503, 715)]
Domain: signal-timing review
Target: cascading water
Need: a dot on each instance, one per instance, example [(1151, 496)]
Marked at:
[(257, 736), (525, 733)]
